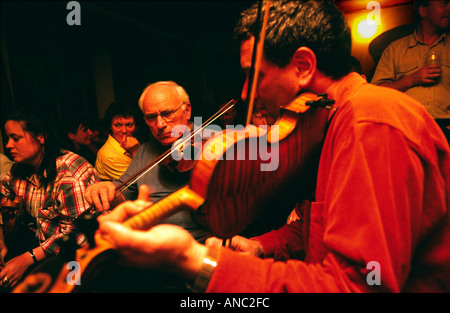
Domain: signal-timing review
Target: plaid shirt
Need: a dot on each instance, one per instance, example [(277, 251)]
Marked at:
[(54, 208)]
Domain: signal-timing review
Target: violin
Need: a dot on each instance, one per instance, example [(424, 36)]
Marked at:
[(181, 162), (229, 186), (184, 151), (226, 194)]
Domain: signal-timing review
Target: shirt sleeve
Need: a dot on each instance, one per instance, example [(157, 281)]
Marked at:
[(366, 216), (111, 166), (385, 70), (284, 243), (67, 203), (111, 161)]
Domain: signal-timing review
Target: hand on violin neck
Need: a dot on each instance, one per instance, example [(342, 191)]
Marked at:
[(164, 246)]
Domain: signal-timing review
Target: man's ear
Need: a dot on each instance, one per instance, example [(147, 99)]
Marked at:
[(422, 11), (71, 136), (306, 63), (188, 110)]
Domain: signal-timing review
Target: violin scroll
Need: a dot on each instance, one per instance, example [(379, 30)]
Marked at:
[(323, 101)]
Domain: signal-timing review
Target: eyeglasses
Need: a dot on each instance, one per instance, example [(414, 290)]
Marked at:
[(168, 116)]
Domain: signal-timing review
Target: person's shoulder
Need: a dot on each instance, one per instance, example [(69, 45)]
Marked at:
[(377, 105), (367, 102), (148, 147), (71, 161), (402, 43), (105, 149), (378, 98)]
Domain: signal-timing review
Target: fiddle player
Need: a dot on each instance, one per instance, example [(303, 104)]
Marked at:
[(383, 184), (50, 183), (165, 105)]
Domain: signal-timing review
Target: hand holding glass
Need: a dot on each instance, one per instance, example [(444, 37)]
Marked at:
[(433, 58)]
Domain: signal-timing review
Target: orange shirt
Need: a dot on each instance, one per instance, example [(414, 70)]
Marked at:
[(380, 220)]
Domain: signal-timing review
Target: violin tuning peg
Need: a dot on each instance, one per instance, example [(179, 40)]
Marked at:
[(323, 101)]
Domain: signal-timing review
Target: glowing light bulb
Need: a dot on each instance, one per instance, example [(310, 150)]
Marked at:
[(367, 28)]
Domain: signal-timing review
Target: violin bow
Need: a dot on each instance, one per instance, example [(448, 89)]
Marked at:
[(124, 186), (254, 70), (256, 58), (89, 224)]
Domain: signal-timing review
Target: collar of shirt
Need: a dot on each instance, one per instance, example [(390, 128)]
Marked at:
[(414, 40), (342, 89)]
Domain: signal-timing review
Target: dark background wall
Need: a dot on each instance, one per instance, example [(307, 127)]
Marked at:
[(119, 48)]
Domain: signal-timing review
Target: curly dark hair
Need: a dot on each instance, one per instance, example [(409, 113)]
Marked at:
[(121, 108), (318, 25)]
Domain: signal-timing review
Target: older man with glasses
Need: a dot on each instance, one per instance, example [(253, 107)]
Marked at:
[(166, 107)]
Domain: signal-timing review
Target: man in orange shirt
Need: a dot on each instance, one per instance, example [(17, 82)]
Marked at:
[(380, 217)]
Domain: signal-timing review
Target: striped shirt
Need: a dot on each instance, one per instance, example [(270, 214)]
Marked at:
[(53, 208)]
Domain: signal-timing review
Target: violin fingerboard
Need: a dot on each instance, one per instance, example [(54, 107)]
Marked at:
[(183, 199)]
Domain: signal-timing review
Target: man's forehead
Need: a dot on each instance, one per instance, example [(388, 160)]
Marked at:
[(246, 53), (158, 99)]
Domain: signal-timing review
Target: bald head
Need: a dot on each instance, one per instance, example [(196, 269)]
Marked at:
[(163, 89), (165, 105)]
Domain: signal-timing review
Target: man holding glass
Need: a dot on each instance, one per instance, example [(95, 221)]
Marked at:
[(419, 64)]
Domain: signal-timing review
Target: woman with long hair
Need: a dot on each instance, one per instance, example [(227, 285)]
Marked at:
[(50, 184)]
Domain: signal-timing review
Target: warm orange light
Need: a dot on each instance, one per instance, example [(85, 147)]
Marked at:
[(364, 29), (367, 28)]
